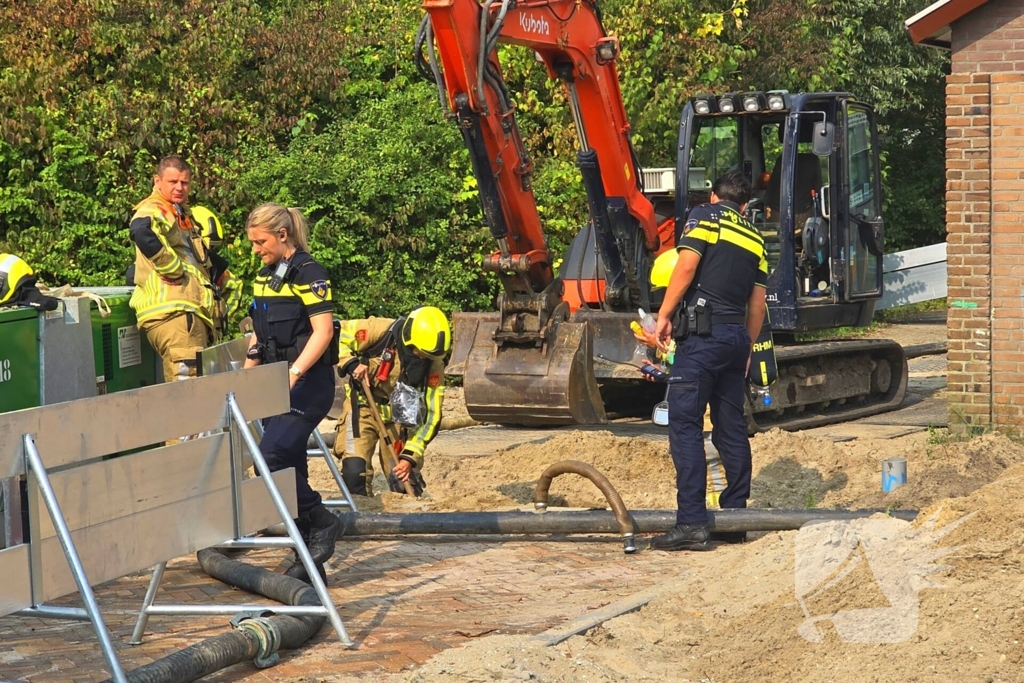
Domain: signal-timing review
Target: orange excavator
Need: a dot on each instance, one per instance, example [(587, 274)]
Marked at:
[(559, 349)]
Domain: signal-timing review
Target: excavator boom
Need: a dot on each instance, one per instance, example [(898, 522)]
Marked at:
[(528, 363)]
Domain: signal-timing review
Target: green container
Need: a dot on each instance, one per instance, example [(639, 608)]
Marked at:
[(19, 359), (124, 359)]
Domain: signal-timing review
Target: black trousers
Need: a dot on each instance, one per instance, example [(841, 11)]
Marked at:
[(709, 370), (285, 436)]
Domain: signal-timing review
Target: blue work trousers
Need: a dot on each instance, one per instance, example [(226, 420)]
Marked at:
[(709, 370), (285, 436)]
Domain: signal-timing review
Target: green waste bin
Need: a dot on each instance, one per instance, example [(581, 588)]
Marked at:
[(124, 359), (19, 359)]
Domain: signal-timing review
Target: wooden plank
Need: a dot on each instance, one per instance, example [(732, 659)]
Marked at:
[(72, 432), (17, 588), (137, 542), (104, 491)]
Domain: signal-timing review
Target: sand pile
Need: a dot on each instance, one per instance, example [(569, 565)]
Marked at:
[(734, 615)]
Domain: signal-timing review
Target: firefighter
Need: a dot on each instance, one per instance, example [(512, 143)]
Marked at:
[(293, 322), (17, 285), (228, 288), (403, 359), (174, 294)]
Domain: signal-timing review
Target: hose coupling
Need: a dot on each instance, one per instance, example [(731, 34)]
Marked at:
[(267, 635), (628, 544), (540, 507)]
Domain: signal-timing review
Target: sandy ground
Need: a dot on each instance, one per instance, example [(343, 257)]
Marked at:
[(778, 607)]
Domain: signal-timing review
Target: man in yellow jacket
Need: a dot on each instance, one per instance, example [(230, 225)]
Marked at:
[(404, 361), (174, 293)]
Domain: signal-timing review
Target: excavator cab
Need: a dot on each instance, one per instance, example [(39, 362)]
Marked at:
[(812, 160)]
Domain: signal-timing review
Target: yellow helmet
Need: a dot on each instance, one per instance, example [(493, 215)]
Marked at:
[(13, 274), (427, 329), (661, 271), (208, 224)]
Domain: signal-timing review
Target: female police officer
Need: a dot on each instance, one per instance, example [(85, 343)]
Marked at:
[(292, 322)]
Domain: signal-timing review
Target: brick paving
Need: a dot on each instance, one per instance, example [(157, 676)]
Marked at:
[(402, 600)]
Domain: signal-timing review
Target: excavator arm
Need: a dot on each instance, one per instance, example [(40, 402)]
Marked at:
[(531, 336)]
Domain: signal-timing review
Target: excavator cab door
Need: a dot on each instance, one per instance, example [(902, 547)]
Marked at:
[(860, 204)]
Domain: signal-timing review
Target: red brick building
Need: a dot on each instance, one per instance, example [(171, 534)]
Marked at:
[(984, 206)]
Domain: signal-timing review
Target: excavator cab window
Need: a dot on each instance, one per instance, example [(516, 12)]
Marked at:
[(715, 151)]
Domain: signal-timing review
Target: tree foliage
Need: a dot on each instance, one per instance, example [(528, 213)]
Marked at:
[(315, 103)]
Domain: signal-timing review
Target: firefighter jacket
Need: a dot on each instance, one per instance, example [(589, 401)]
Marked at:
[(172, 265), (366, 341)]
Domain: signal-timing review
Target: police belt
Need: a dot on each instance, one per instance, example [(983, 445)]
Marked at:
[(735, 319)]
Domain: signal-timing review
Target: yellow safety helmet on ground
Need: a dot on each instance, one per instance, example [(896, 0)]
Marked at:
[(209, 225), (427, 329), (661, 271), (13, 274)]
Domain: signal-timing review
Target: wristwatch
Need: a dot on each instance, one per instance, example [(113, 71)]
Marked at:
[(295, 371)]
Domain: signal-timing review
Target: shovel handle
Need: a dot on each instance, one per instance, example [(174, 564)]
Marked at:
[(386, 444)]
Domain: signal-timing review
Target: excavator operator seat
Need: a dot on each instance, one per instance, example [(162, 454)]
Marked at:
[(808, 177)]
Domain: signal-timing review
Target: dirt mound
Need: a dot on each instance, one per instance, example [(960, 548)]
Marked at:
[(640, 470), (734, 613), (790, 470)]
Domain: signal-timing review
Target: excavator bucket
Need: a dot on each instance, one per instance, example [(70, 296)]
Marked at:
[(552, 384)]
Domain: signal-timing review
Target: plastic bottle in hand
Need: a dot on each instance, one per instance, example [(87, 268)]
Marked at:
[(647, 321), (763, 396)]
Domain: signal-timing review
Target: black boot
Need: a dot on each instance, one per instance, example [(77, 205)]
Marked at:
[(297, 570), (684, 537), (323, 534)]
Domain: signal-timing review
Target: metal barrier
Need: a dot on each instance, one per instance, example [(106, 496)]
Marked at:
[(229, 356), (106, 518)]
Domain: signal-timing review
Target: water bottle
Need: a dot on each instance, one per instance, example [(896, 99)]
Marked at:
[(763, 395), (647, 321)]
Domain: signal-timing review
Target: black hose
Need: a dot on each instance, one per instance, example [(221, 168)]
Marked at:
[(239, 645), (586, 521)]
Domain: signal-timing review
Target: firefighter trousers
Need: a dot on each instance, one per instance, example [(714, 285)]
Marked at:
[(177, 340)]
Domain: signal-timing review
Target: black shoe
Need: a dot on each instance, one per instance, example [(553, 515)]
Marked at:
[(325, 527), (684, 537), (729, 536), (298, 571)]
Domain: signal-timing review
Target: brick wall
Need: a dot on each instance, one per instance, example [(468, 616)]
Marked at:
[(984, 205)]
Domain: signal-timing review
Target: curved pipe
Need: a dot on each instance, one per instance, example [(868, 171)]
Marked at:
[(622, 516), (249, 641)]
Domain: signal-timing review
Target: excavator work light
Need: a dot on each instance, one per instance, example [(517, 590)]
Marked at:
[(753, 102), (727, 104), (702, 105), (778, 100), (607, 50)]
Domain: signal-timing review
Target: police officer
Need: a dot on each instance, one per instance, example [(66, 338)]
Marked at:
[(402, 358), (293, 322), (174, 296), (713, 308)]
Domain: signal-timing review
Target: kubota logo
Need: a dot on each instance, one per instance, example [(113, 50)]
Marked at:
[(531, 24)]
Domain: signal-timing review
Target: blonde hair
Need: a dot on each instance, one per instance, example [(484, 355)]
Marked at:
[(273, 217)]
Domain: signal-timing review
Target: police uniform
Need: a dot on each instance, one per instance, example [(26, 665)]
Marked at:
[(365, 341), (710, 363), (174, 296), (281, 312)]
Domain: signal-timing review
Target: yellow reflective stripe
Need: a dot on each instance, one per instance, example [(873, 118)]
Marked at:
[(763, 265), (740, 240), (428, 430), (703, 234), (764, 373), (739, 227)]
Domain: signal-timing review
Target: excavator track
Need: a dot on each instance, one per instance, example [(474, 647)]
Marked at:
[(823, 383)]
